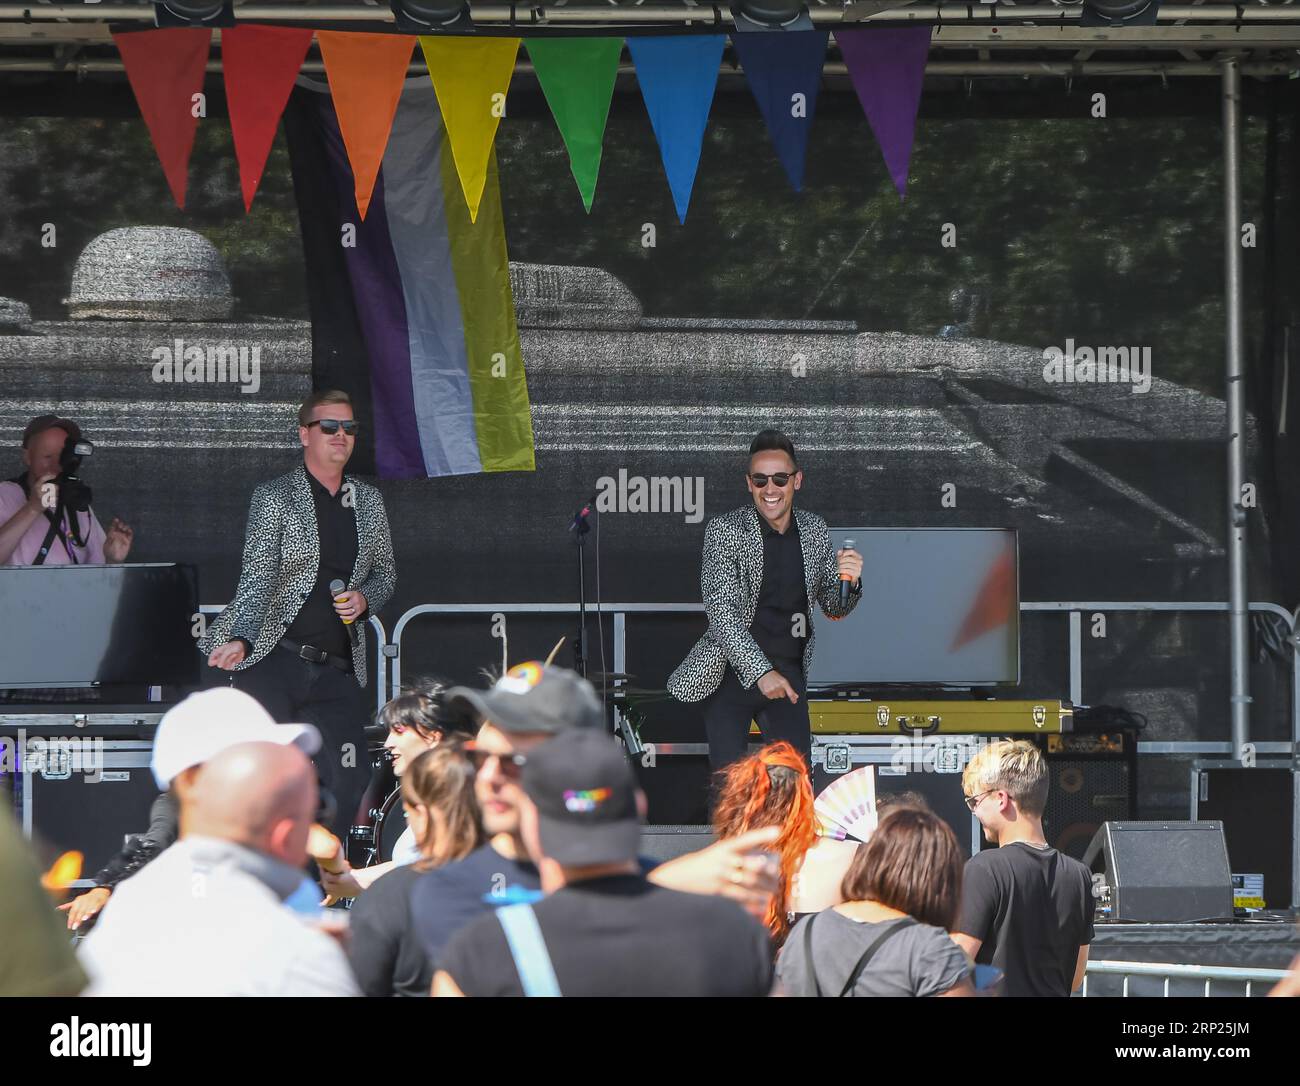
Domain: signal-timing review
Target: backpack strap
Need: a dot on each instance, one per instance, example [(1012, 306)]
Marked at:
[(528, 949), (808, 955), (870, 952)]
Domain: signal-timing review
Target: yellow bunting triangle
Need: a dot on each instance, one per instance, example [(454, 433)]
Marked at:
[(470, 78)]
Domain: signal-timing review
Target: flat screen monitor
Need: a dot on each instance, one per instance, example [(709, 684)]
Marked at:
[(82, 626), (940, 607)]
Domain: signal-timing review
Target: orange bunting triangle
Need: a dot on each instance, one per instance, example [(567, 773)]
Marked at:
[(365, 73)]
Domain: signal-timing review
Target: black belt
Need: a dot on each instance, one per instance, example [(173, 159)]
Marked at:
[(315, 655)]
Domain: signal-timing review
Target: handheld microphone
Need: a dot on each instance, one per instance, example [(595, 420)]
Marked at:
[(845, 579), (337, 588)]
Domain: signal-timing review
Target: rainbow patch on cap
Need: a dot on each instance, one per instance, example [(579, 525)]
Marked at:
[(521, 678), (584, 802)]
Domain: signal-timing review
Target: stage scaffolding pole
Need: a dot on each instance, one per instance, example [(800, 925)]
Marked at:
[(1238, 615)]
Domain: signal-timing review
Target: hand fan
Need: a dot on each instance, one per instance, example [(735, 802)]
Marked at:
[(847, 807)]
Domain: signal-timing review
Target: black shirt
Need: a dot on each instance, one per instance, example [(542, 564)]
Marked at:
[(624, 936), (317, 623), (383, 948), (781, 622), (1033, 910)]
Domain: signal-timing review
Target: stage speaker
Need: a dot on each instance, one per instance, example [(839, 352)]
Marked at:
[(668, 842), (1162, 872), (1092, 779)]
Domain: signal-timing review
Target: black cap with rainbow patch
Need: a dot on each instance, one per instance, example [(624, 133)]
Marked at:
[(534, 697), (585, 794)]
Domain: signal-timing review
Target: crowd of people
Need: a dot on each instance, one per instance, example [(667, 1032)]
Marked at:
[(521, 872)]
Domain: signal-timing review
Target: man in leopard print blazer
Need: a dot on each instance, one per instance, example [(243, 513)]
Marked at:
[(765, 567), (290, 642)]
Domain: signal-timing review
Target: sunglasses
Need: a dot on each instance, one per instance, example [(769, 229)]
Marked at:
[(974, 801), (331, 426), (780, 478), (511, 765)]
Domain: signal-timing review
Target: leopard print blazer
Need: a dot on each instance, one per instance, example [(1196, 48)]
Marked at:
[(731, 578), (281, 557)]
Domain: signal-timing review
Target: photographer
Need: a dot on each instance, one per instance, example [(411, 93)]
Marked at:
[(27, 511)]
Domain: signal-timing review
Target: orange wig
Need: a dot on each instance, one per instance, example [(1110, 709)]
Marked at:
[(770, 788)]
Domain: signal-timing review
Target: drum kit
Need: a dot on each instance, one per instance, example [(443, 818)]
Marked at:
[(380, 819)]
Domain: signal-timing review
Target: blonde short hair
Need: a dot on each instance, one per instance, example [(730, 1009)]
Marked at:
[(1012, 766), (320, 399)]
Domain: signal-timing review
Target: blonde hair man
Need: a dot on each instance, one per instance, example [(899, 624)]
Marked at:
[(1026, 908)]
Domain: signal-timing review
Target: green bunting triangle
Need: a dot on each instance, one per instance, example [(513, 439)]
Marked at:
[(577, 76)]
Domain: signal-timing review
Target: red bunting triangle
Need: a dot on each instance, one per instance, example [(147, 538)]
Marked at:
[(365, 72), (166, 69), (261, 63)]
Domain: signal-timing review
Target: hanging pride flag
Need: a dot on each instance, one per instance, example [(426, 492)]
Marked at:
[(677, 76), (577, 77), (784, 70), (887, 68), (471, 77), (412, 313)]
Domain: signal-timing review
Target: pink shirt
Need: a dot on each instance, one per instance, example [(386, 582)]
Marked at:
[(12, 499)]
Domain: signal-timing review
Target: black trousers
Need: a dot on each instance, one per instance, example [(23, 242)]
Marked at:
[(729, 710), (294, 690)]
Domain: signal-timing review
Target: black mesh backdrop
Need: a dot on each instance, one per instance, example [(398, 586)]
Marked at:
[(922, 364)]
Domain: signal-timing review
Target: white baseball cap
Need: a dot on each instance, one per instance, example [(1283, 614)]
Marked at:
[(206, 723)]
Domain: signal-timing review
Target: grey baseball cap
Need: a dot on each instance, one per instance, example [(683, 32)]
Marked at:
[(534, 697)]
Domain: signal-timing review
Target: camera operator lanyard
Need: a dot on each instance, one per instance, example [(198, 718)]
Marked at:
[(56, 529)]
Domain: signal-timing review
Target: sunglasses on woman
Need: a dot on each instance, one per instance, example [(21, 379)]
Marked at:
[(780, 478), (331, 426)]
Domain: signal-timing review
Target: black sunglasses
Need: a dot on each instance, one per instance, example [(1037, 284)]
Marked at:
[(512, 765), (780, 478), (331, 426)]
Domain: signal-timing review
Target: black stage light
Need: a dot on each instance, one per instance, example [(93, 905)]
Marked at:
[(173, 13), (422, 16), (1119, 12), (773, 14)]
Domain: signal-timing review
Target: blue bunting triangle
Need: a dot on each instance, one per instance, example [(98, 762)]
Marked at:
[(784, 71), (677, 76)]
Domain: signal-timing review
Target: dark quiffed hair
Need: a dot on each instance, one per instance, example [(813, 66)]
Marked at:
[(913, 864), (773, 441)]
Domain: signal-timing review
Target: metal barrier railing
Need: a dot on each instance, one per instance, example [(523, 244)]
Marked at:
[(380, 686), (1166, 972), (1074, 610)]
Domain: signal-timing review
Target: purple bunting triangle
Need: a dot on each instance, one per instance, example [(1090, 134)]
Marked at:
[(781, 66), (887, 67)]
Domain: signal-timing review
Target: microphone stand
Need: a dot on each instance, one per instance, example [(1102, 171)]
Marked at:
[(579, 527)]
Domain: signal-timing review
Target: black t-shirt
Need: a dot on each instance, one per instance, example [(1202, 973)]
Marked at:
[(624, 936), (1033, 910), (317, 623), (383, 948), (447, 899)]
